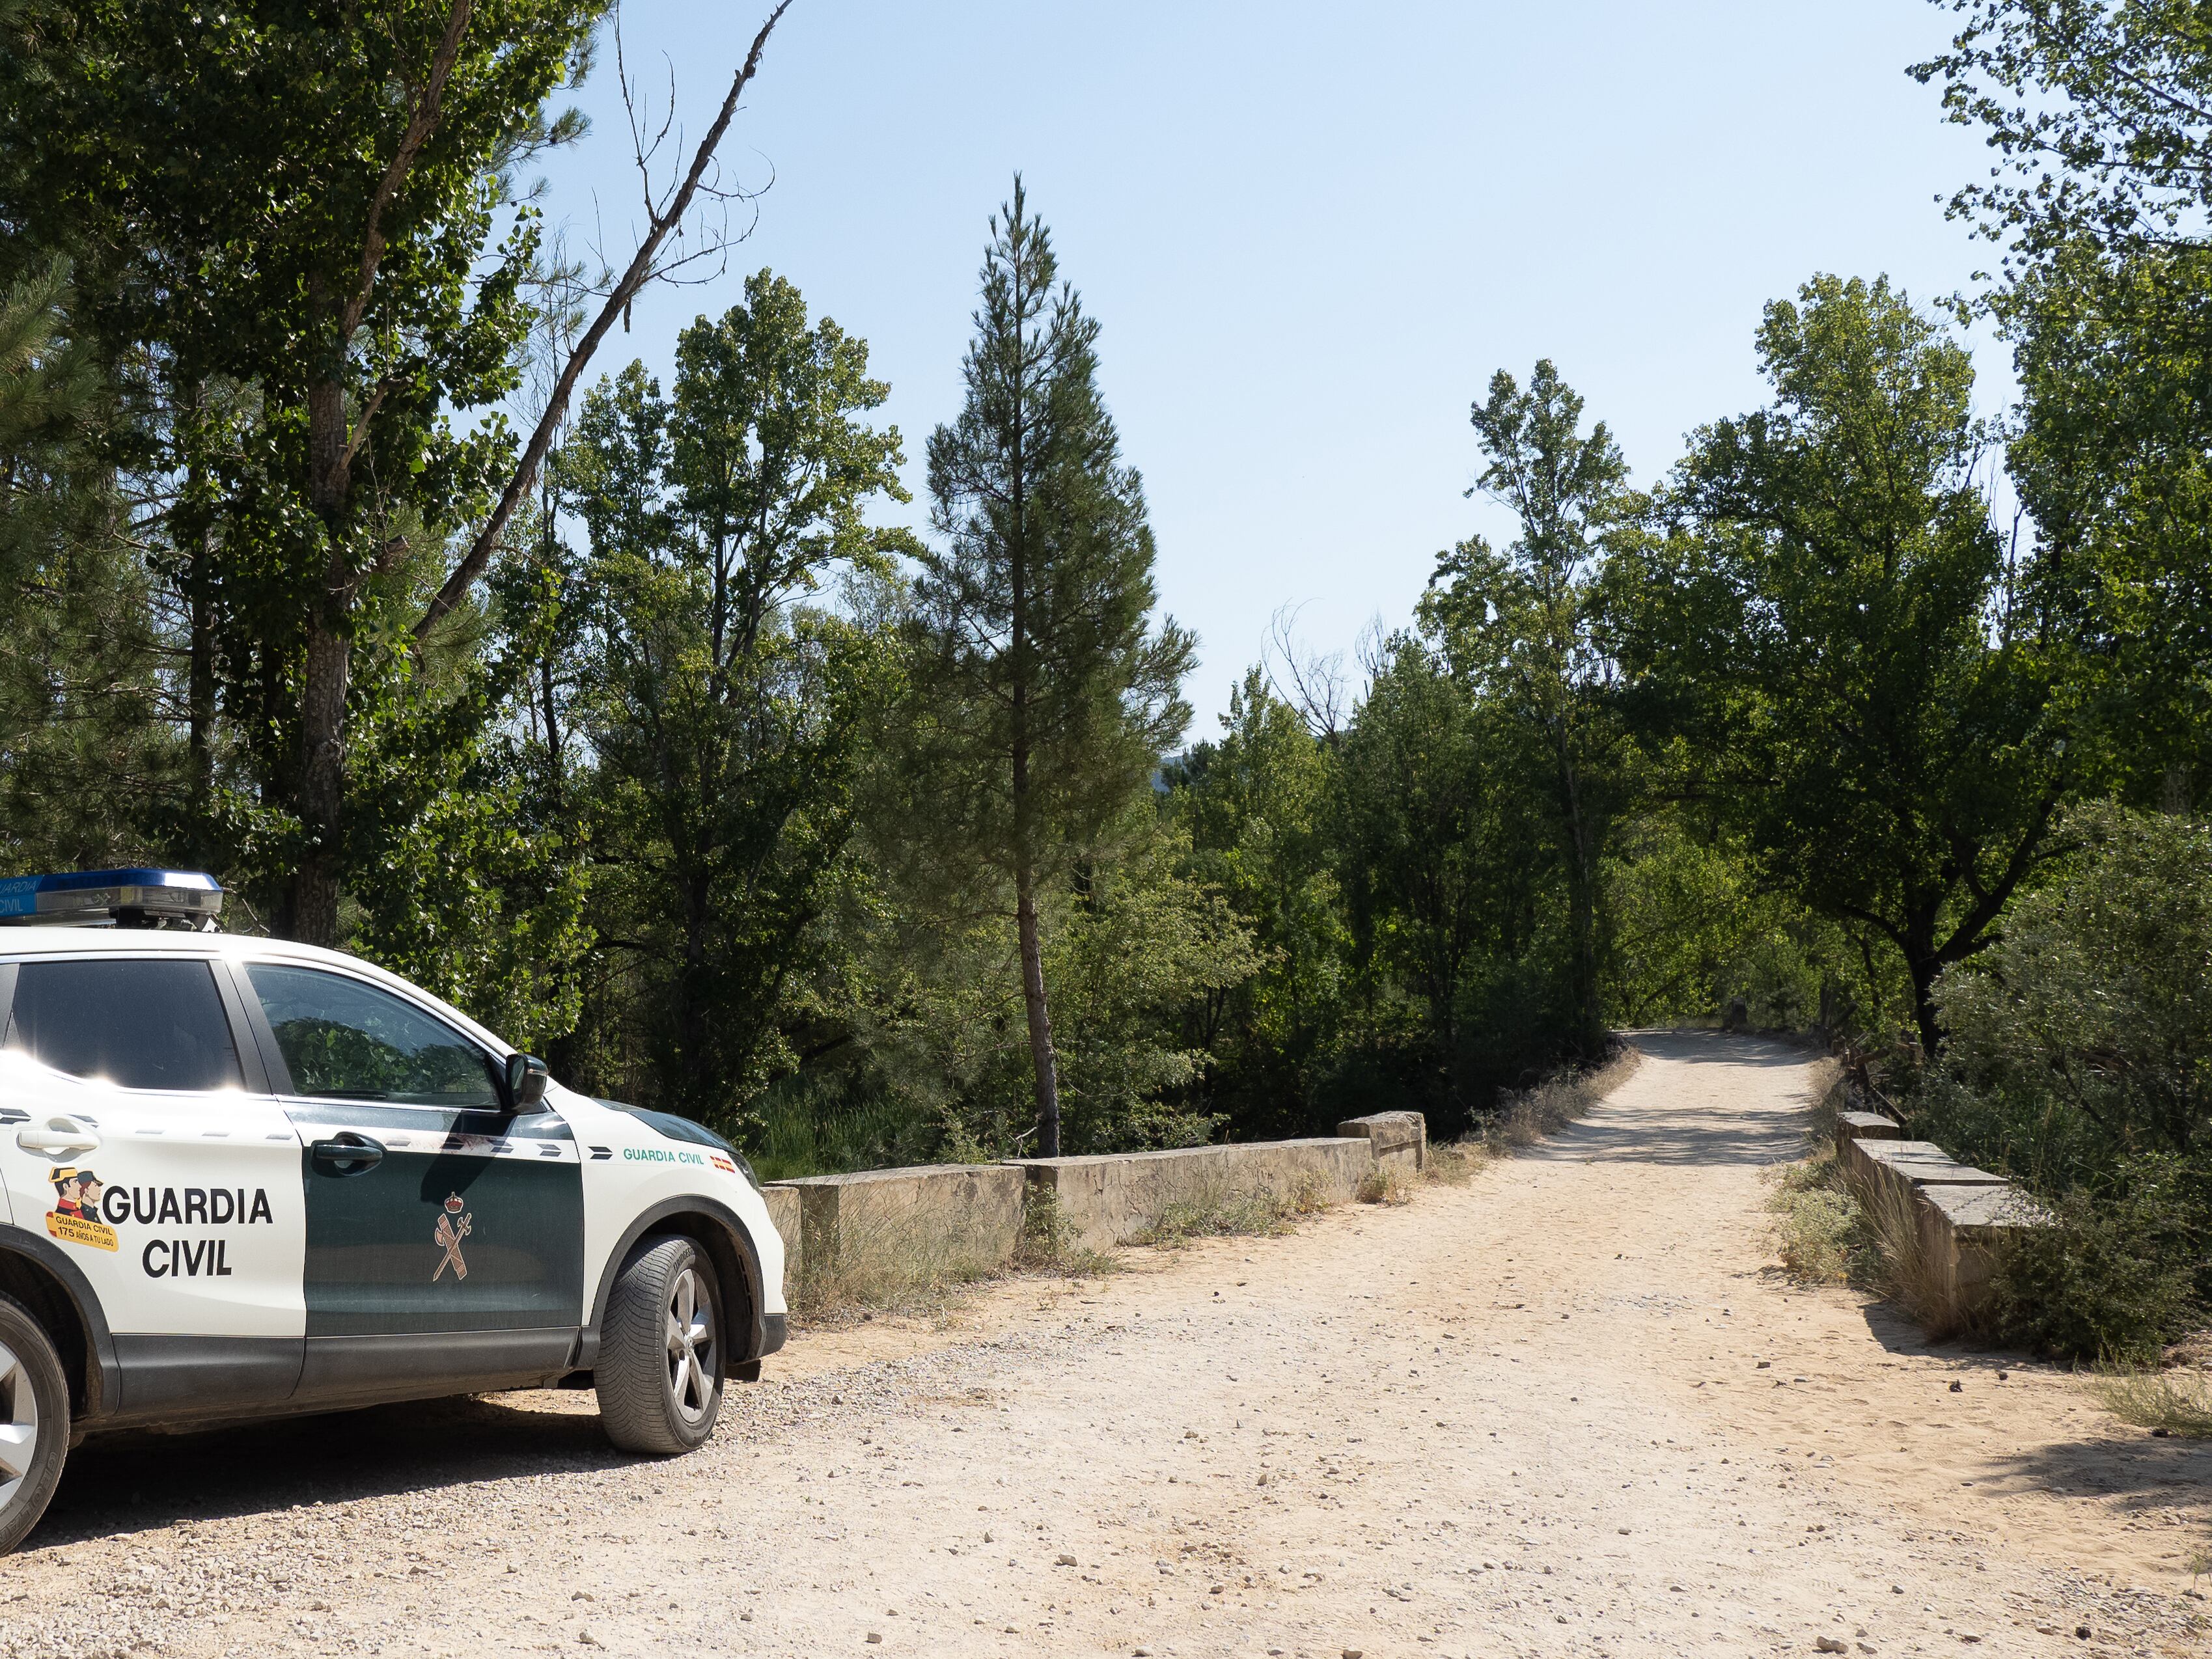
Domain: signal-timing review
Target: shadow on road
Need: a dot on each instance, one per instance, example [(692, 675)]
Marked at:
[(1722, 1048), (1703, 1132), (2130, 1468), (117, 1486)]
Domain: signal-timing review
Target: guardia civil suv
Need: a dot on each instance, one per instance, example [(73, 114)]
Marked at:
[(240, 1177)]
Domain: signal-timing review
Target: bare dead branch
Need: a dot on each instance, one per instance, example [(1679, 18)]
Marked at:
[(640, 271), (1310, 683), (369, 406)]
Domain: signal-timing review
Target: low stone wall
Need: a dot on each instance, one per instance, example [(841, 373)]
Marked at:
[(1963, 1215), (855, 1235), (1111, 1199), (878, 1228), (1400, 1139), (783, 1211)]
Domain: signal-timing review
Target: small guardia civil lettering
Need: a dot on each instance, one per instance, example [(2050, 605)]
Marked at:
[(88, 1211)]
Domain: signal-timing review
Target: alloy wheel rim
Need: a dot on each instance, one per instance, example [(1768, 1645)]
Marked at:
[(691, 1355), (19, 1425)]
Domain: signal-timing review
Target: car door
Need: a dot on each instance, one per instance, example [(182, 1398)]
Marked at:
[(445, 1231), (139, 1138)]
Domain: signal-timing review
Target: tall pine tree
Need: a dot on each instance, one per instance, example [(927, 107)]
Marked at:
[(1045, 696)]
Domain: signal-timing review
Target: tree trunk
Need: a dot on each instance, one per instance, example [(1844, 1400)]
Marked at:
[(1041, 1051), (313, 911), (1924, 964), (312, 916), (200, 702), (1045, 1062), (1925, 1016), (1582, 905), (692, 1083)]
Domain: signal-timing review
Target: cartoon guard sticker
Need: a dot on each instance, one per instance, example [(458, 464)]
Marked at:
[(453, 1228), (75, 1218)]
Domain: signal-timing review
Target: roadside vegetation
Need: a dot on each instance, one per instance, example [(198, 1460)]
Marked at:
[(625, 709), (1823, 1234), (2163, 1401)]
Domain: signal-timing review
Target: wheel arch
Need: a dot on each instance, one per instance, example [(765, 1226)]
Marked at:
[(38, 1274), (728, 1243)]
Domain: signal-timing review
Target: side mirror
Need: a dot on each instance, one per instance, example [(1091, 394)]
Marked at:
[(526, 1078)]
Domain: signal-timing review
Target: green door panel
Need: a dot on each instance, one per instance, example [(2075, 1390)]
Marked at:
[(471, 1222)]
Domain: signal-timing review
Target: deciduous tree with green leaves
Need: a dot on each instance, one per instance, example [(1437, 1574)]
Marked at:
[(307, 213), (1524, 629), (1259, 805), (2101, 119), (726, 717), (1823, 634)]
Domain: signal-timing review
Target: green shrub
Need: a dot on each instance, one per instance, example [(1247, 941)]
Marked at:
[(1823, 1235), (2119, 1275), (2079, 1061)]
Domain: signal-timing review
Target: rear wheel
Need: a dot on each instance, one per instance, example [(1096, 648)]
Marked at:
[(660, 1362), (34, 1421)]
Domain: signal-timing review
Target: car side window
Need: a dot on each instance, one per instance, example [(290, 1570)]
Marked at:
[(156, 1025), (343, 1038)]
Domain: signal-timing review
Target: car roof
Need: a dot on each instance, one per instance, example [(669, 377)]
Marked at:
[(22, 944)]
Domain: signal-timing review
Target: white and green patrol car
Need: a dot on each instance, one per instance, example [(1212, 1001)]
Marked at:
[(239, 1177)]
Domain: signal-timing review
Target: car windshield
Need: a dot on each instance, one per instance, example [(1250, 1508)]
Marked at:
[(344, 1040)]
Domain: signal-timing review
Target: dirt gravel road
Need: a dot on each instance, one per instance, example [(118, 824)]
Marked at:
[(1565, 1409)]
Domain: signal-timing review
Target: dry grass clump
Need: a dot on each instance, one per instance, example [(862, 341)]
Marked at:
[(893, 1274), (1385, 1185), (1909, 1273), (1524, 1119), (1455, 1163), (1822, 1234), (1830, 1229), (2176, 1401), (1045, 1246), (1230, 1214)]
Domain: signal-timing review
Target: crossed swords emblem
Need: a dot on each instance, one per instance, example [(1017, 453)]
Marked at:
[(453, 1228)]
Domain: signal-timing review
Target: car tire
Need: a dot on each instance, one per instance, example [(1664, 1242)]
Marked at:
[(660, 1361), (34, 1421)]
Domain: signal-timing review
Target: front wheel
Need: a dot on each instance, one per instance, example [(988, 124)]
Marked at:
[(34, 1421), (659, 1366)]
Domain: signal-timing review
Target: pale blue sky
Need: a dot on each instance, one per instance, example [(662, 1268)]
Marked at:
[(1311, 232)]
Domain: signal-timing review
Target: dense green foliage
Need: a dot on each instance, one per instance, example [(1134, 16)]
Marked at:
[(292, 224), (2081, 1059)]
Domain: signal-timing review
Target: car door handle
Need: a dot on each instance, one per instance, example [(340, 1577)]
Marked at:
[(59, 1137), (347, 1154)]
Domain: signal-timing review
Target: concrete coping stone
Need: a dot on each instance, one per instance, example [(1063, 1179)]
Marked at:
[(1397, 1136), (1919, 1168), (1409, 1122), (1905, 1152), (1985, 1208), (909, 1172), (1219, 1148), (1870, 1126)]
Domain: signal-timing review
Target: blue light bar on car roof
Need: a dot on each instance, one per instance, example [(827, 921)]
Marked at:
[(93, 895)]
